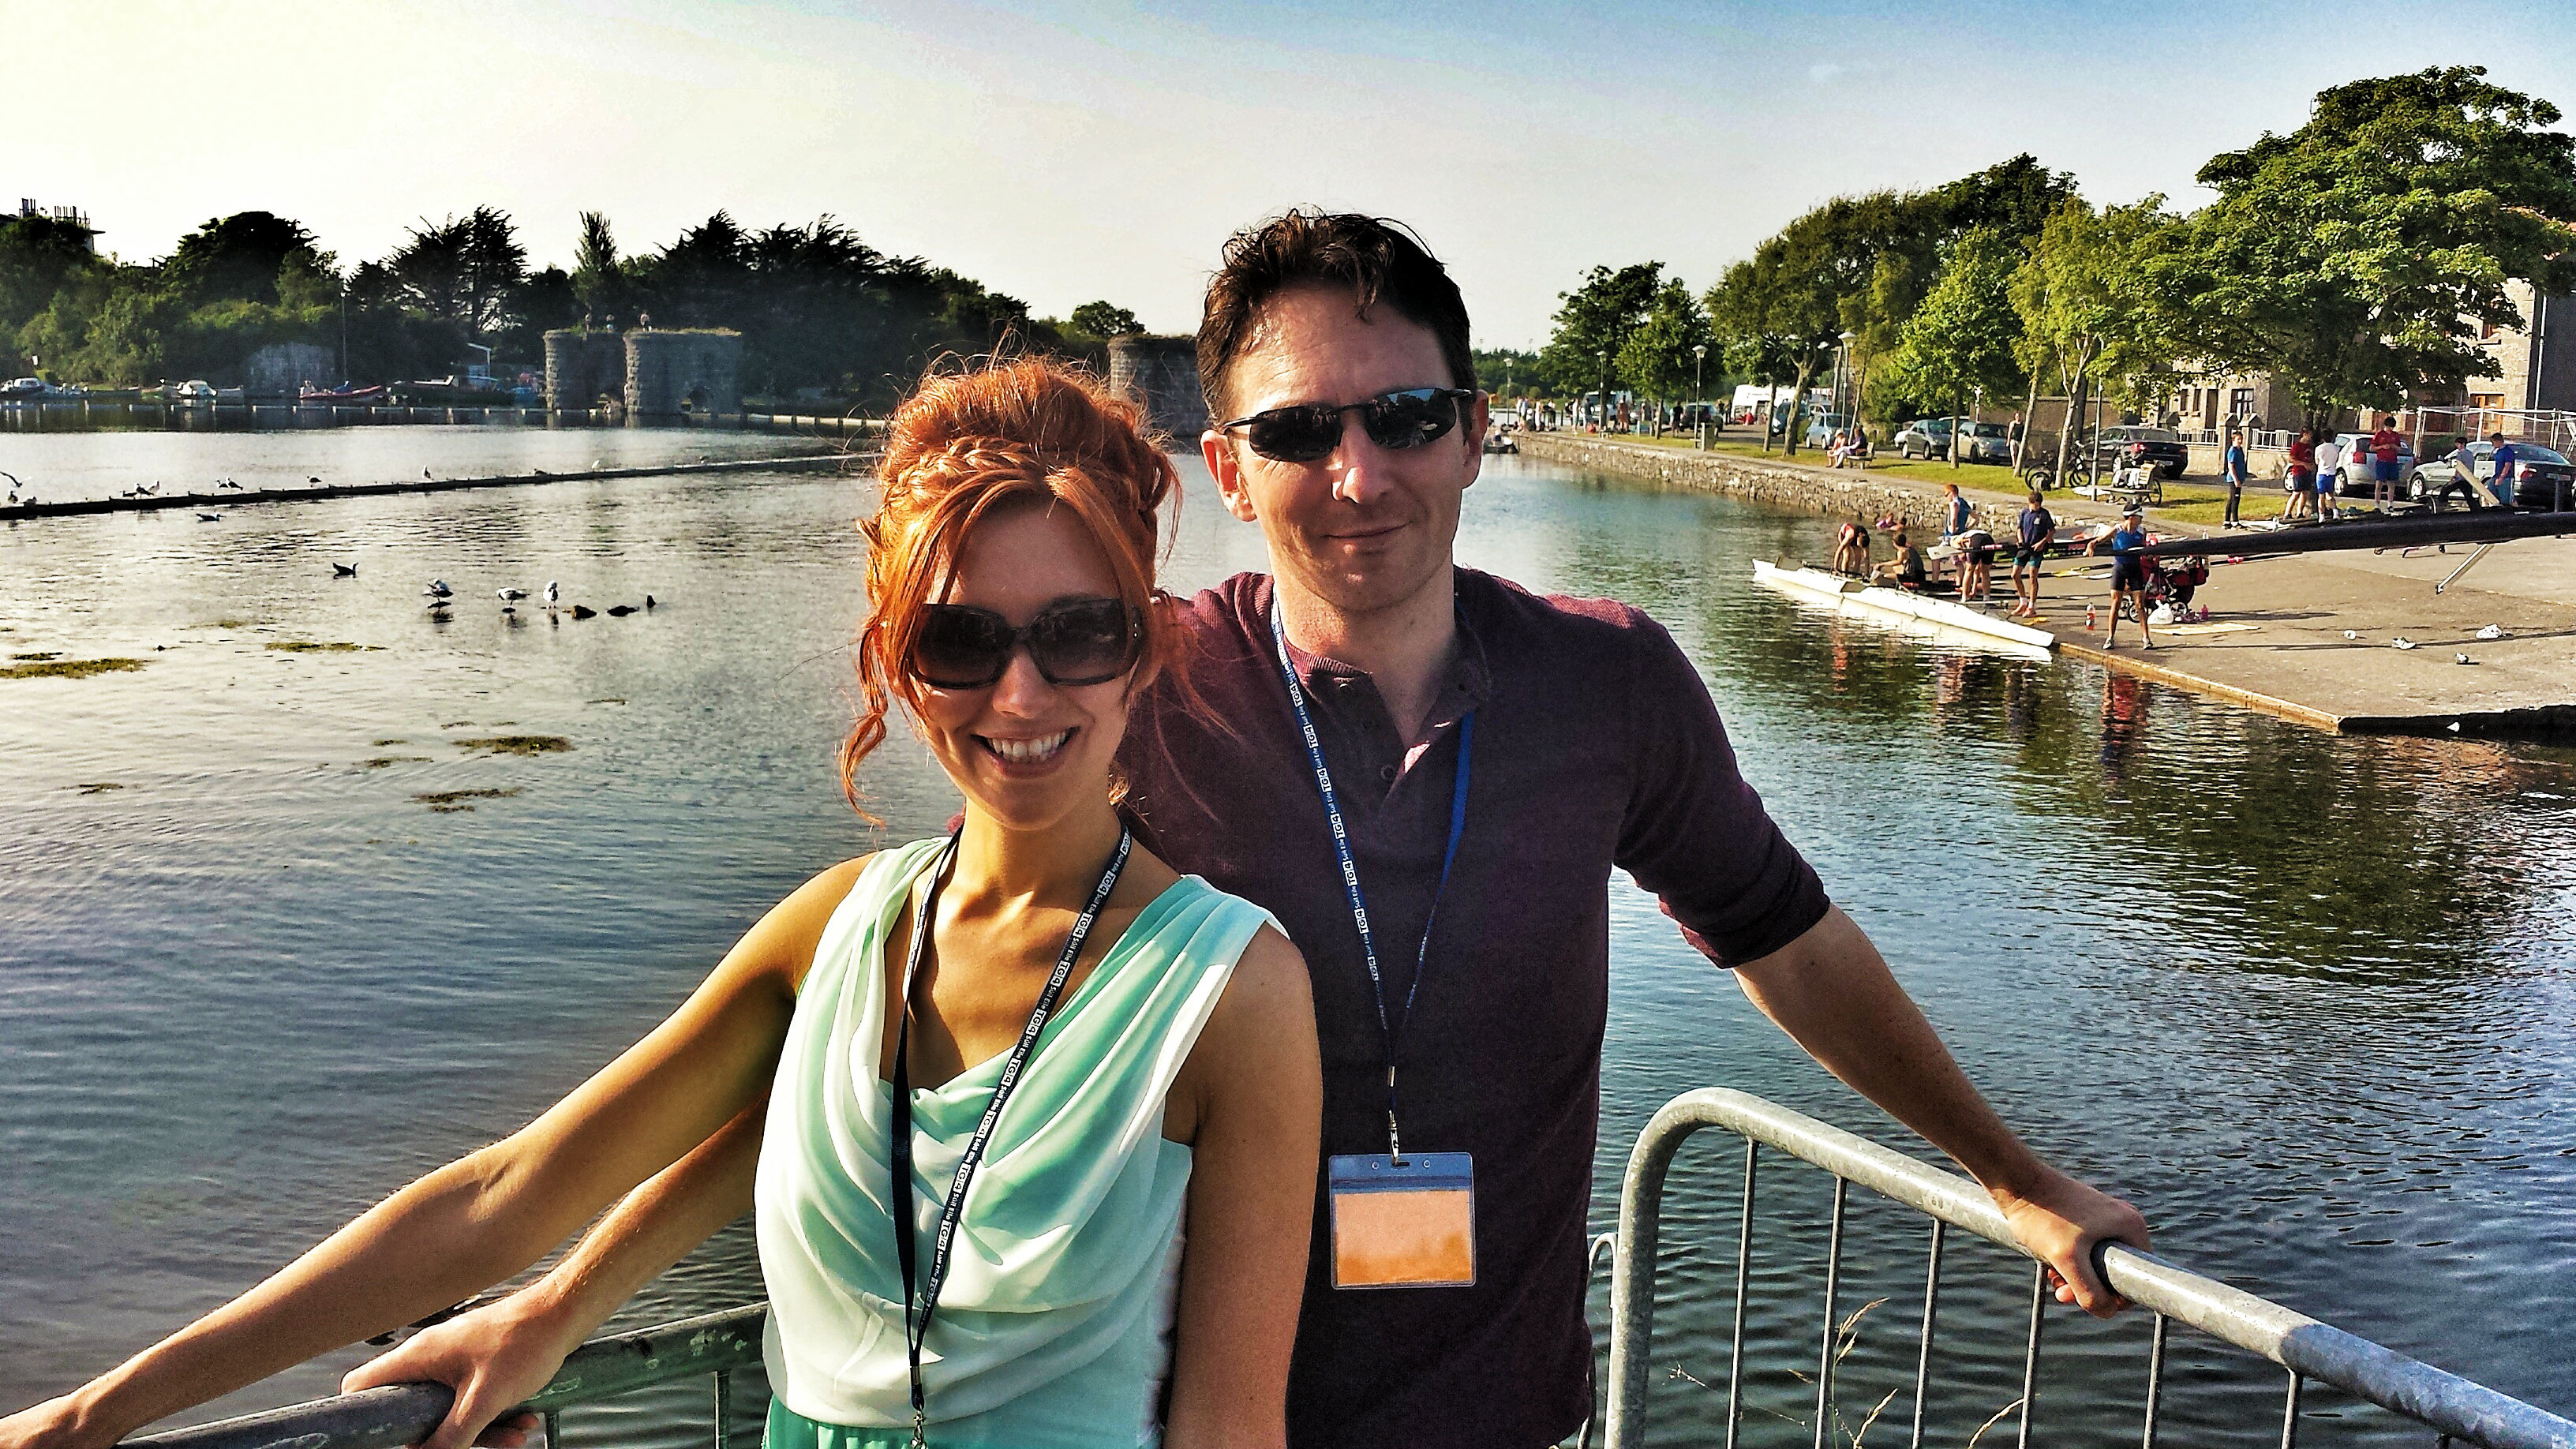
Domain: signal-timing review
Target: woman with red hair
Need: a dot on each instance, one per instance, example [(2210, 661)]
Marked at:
[(972, 1086)]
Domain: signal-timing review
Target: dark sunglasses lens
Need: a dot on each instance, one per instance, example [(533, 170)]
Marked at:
[(1084, 643), (960, 648), (1409, 419), (1295, 435)]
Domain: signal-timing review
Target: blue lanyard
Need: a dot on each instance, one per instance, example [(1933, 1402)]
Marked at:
[(1351, 870), (917, 1328)]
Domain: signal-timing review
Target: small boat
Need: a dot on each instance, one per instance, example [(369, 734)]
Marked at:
[(195, 392), (345, 395), (1849, 595)]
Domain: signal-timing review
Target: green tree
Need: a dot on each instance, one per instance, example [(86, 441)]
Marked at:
[(2089, 310), (1103, 320), (1961, 340), (1506, 371), (1657, 359), (1593, 323), (239, 258), (461, 270), (2355, 257), (1779, 312), (40, 258), (599, 280)]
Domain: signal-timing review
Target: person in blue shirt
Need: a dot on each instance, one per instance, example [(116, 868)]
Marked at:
[(2500, 481), (2236, 471), (2128, 575)]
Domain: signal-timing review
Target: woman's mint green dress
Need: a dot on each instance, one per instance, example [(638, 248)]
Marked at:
[(1054, 1327)]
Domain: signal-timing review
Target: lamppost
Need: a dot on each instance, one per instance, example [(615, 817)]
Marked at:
[(1842, 367), (1699, 389), (1603, 417)]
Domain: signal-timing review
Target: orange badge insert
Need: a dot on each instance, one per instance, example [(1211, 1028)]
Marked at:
[(1404, 1222)]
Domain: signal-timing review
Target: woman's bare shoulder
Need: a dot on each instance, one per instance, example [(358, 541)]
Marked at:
[(782, 942)]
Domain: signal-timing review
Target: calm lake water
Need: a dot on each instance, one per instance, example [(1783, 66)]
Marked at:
[(2305, 999)]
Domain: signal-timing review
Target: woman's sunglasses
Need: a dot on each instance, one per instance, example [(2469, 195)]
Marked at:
[(1080, 641), (1310, 431)]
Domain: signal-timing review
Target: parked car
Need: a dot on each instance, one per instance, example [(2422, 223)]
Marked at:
[(2466, 478), (1821, 428), (1986, 443), (1923, 438), (2162, 447)]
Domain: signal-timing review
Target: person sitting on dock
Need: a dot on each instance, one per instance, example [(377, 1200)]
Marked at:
[(1851, 548), (1910, 573), (1349, 700), (2035, 529)]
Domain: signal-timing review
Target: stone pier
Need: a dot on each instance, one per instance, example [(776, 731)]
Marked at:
[(1163, 374), (648, 373)]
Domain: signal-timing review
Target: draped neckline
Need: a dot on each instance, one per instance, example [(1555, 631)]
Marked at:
[(982, 1076)]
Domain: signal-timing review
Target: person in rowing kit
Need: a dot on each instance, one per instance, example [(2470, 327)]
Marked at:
[(972, 1086)]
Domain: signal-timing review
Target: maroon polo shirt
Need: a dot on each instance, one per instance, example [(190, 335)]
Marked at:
[(1596, 745)]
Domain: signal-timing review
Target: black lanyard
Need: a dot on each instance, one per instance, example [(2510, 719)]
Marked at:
[(1351, 870), (917, 1327)]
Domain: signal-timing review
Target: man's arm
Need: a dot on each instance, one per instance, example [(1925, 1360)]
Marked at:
[(1832, 993), (501, 1353)]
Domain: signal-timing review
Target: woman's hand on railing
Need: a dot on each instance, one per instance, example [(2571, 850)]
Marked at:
[(2062, 1221), (495, 1358)]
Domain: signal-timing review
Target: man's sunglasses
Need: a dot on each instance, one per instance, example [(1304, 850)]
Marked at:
[(1310, 431), (1080, 641)]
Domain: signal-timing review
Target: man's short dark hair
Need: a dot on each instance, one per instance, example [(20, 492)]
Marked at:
[(1377, 259)]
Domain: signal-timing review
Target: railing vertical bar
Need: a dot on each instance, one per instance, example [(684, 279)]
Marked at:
[(2030, 1357), (1833, 1281), (1923, 1354), (724, 1409), (554, 1430), (1743, 1287), (2155, 1377), (2290, 1413)]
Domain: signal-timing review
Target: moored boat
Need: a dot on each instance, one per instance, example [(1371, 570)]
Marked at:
[(1854, 596), (345, 395)]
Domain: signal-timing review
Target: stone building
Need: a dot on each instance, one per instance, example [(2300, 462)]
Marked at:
[(2533, 367), (647, 373), (282, 369), (1163, 374)]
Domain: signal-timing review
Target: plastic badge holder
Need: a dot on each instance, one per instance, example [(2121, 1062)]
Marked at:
[(1404, 1222)]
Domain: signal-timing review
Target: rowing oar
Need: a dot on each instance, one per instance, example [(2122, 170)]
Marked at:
[(2485, 525)]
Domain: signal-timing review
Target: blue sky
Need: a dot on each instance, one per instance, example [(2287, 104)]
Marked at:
[(1061, 152)]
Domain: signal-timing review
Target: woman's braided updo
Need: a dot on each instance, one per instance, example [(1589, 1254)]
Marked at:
[(1031, 430)]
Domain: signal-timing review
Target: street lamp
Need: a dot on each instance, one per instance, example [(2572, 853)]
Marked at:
[(1603, 417), (1699, 389), (1842, 367)]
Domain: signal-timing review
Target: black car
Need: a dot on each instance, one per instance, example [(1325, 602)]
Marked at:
[(2467, 478), (2162, 447)]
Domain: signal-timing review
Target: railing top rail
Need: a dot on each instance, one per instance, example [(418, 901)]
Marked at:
[(2445, 1401), (402, 1414)]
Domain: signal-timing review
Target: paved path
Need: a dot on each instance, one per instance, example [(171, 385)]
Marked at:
[(2297, 661)]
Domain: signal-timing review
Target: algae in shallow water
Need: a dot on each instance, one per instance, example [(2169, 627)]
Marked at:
[(99, 788), (308, 646), (68, 668), (48, 654), (380, 761), (517, 744), (448, 802)]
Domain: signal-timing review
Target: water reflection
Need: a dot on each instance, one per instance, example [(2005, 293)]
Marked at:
[(2303, 997)]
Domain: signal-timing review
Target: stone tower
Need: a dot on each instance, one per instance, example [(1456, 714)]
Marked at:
[(1163, 374)]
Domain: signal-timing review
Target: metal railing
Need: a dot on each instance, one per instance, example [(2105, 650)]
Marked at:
[(716, 1344), (2453, 1407), (388, 1418)]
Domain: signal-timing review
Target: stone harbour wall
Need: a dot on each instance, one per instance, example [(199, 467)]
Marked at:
[(1841, 492), (583, 367), (1163, 374), (668, 373)]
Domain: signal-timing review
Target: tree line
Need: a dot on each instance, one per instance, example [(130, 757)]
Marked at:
[(819, 309), (2357, 259)]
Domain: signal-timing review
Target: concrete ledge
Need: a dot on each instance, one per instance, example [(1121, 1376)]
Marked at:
[(10, 513)]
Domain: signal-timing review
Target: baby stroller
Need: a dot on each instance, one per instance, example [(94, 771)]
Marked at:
[(2170, 585)]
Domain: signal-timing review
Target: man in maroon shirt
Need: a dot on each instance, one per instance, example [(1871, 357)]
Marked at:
[(1594, 745)]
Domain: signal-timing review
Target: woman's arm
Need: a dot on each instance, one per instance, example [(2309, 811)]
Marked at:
[(1251, 1204), (478, 1220), (500, 1354)]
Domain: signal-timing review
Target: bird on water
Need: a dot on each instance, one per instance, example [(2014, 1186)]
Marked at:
[(344, 571), (620, 611), (438, 589), (552, 594), (511, 595), (583, 611), (210, 518)]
